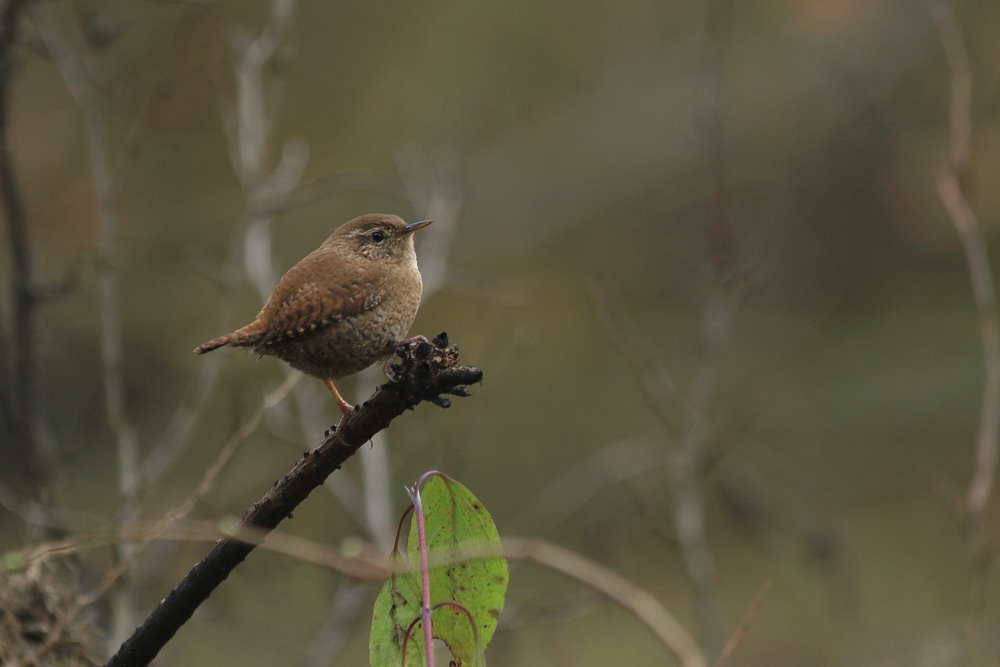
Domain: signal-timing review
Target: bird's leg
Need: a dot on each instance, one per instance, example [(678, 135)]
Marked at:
[(345, 407)]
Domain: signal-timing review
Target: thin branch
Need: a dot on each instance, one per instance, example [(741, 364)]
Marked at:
[(963, 218), (181, 427), (615, 587), (717, 317), (424, 372), (977, 257), (149, 535), (959, 81), (78, 69), (684, 415), (981, 275), (748, 620), (253, 121)]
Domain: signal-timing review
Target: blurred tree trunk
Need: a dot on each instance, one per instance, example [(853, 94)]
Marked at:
[(24, 469)]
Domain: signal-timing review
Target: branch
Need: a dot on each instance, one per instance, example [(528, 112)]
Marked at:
[(17, 390), (78, 67), (422, 371), (977, 257), (615, 587), (748, 619), (142, 540), (178, 433)]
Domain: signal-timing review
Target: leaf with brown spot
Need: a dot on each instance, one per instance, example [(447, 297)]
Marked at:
[(467, 568)]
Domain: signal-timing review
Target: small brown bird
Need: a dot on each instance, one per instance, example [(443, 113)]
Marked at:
[(344, 306)]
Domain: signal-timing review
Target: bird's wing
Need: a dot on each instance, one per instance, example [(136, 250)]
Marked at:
[(317, 302)]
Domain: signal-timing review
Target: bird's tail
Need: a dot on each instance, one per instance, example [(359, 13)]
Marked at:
[(244, 337)]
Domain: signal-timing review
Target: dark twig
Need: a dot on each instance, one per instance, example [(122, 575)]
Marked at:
[(141, 541), (422, 371)]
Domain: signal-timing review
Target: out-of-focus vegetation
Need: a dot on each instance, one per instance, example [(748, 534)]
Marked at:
[(725, 322)]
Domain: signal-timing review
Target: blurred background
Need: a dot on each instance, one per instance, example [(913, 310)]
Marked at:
[(725, 321)]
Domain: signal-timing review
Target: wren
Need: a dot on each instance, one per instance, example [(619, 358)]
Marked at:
[(344, 306)]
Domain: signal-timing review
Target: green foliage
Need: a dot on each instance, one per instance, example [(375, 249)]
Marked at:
[(397, 605), (12, 560), (466, 568)]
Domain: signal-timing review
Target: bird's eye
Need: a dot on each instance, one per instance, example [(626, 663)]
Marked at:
[(378, 236)]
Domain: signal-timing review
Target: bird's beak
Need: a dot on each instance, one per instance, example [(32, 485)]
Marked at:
[(414, 226)]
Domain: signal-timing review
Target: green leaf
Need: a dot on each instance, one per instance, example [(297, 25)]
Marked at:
[(466, 567), (461, 535), (397, 605), (12, 560)]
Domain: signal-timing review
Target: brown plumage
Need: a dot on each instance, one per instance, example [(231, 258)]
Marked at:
[(344, 306)]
